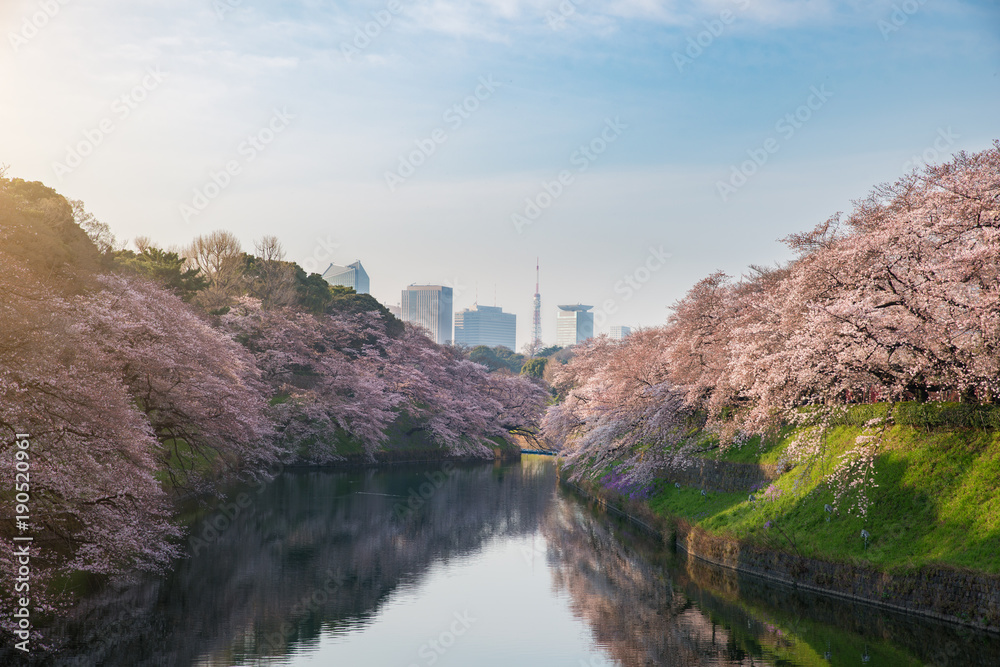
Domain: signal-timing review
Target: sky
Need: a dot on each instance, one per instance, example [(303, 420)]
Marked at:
[(633, 146)]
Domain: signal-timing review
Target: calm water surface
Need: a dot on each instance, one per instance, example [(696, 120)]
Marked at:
[(477, 565)]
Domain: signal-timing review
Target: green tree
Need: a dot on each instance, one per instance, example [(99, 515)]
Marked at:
[(534, 367), (39, 222), (165, 268), (318, 296), (496, 358)]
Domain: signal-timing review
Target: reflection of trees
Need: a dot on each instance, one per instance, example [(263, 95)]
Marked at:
[(848, 630), (627, 599), (311, 554), (324, 536), (649, 607)]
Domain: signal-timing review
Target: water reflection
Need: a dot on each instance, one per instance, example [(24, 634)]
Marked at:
[(628, 600), (319, 557), (651, 606), (315, 552)]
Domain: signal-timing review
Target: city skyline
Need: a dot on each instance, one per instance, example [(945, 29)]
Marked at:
[(549, 331), (396, 309)]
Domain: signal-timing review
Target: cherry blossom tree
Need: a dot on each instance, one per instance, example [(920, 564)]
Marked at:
[(199, 389), (341, 379), (461, 404), (898, 300), (325, 372), (521, 402), (620, 407), (700, 326), (96, 504), (907, 297)]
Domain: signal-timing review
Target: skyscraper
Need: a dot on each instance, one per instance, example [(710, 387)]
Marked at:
[(352, 275), (536, 322), (574, 324), (620, 332), (486, 325), (430, 306)]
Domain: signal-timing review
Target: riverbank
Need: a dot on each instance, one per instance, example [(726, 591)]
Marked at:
[(931, 541)]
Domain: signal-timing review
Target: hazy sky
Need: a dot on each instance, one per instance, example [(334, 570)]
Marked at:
[(642, 107)]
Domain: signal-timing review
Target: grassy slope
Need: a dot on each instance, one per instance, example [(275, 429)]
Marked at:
[(937, 501)]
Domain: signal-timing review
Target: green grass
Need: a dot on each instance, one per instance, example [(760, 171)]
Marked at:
[(937, 502), (752, 451)]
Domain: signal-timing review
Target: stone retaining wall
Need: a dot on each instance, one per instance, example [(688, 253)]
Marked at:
[(948, 594)]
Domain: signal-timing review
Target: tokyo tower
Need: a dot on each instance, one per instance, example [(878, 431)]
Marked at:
[(536, 322)]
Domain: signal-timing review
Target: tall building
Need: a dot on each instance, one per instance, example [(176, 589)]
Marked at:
[(620, 332), (352, 275), (486, 325), (430, 306), (574, 324), (536, 321)]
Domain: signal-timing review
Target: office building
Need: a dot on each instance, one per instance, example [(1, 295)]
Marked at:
[(352, 275), (620, 332), (430, 306), (574, 324), (486, 325)]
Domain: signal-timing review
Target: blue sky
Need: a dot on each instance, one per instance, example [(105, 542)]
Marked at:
[(199, 77)]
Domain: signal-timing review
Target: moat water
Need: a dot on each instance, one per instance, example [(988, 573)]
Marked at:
[(473, 565)]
